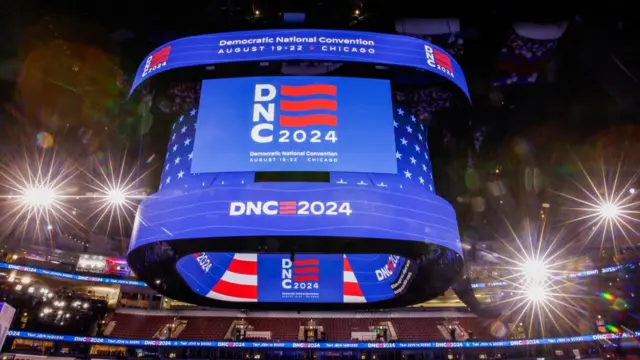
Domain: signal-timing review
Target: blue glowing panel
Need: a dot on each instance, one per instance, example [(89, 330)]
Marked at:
[(300, 209), (299, 44), (320, 345), (376, 274), (295, 124), (308, 278)]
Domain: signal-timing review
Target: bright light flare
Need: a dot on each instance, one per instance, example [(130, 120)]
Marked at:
[(116, 197), (39, 196), (539, 294), (607, 206), (116, 192), (609, 211), (535, 271), (35, 188)]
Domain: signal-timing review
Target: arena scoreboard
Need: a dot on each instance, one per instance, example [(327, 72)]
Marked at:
[(313, 190)]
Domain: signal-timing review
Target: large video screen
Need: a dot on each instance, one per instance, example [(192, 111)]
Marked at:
[(300, 123), (319, 278)]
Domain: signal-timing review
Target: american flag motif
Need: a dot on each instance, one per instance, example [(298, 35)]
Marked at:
[(351, 291), (239, 283), (412, 156)]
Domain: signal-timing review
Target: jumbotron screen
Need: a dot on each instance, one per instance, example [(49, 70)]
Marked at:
[(307, 156), (297, 123), (325, 278)]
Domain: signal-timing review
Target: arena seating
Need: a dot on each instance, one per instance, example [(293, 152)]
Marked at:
[(288, 328), (138, 327), (199, 328)]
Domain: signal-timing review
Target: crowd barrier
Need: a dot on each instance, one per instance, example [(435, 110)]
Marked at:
[(106, 280), (320, 345)]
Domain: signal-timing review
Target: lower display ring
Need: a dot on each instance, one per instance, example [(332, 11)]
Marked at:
[(305, 281)]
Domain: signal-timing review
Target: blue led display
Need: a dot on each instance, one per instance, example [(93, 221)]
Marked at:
[(296, 123), (325, 278), (321, 345), (298, 44)]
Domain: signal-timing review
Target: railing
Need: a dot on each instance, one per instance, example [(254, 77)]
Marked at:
[(320, 345)]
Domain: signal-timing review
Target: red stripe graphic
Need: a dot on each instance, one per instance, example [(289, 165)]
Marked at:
[(243, 267), (346, 265), (308, 120), (306, 105), (443, 60), (306, 262), (236, 290), (288, 207), (160, 56), (306, 90), (303, 278), (305, 270), (352, 289)]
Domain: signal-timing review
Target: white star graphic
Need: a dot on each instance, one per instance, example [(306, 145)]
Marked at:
[(187, 142), (400, 111), (177, 160), (173, 137), (409, 129), (407, 174), (417, 147), (193, 111), (413, 160), (420, 137), (426, 156), (421, 180), (173, 126), (175, 147), (168, 180), (424, 167), (430, 187), (184, 128), (404, 141), (395, 124), (398, 155), (181, 118), (421, 127), (431, 176), (180, 174), (413, 118), (167, 167), (191, 156)]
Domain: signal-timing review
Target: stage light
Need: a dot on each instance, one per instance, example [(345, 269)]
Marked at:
[(116, 197), (607, 205), (536, 293), (535, 271), (609, 211), (39, 196), (116, 193)]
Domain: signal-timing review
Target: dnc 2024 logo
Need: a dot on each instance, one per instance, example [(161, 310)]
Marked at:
[(438, 60), (157, 60), (300, 274), (300, 107), (289, 207)]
